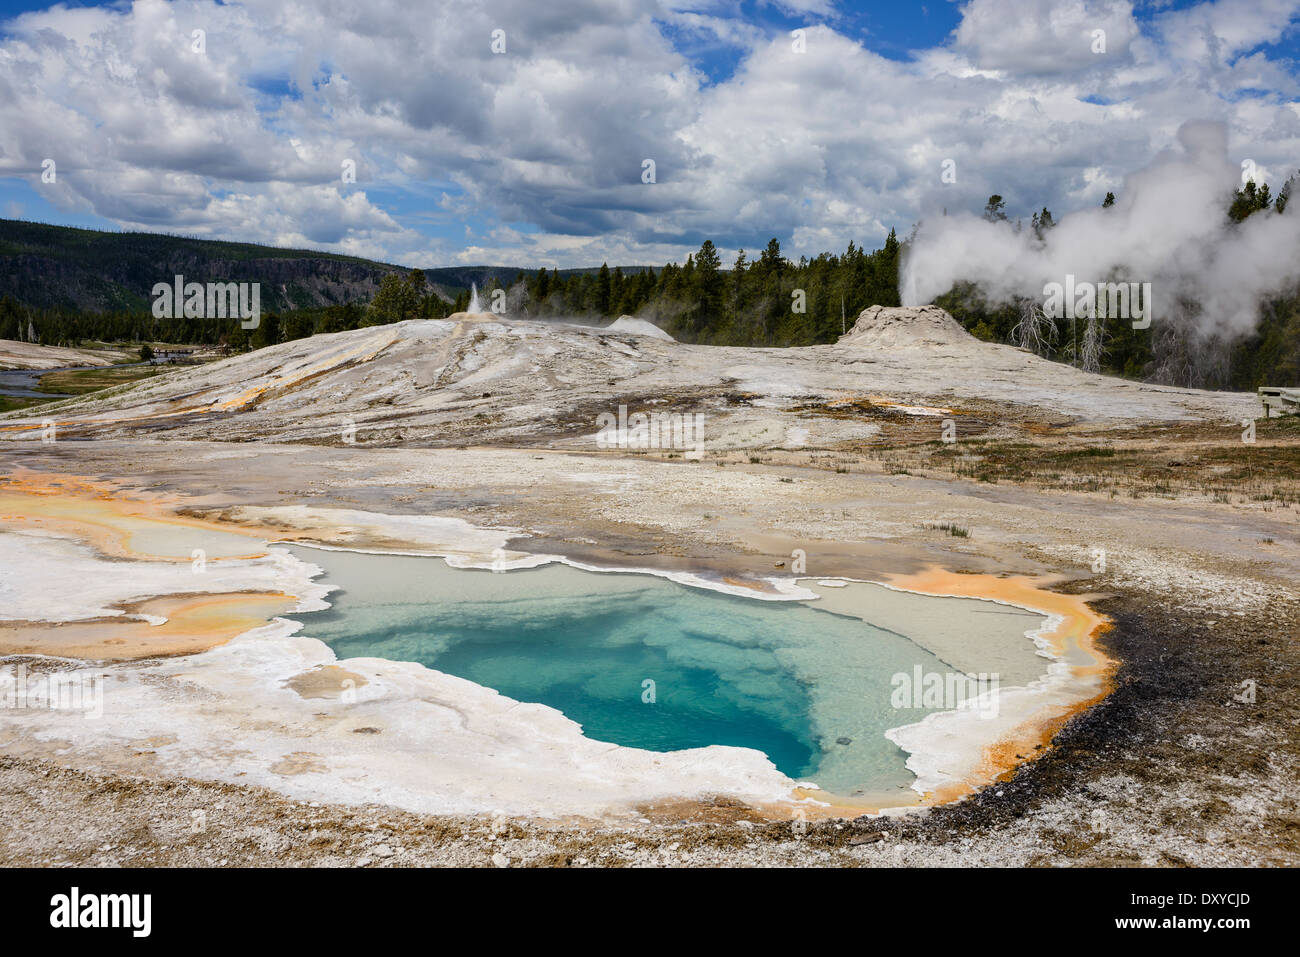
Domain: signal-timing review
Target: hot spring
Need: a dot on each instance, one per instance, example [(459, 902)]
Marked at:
[(644, 662)]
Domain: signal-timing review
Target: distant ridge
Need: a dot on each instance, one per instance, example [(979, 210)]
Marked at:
[(61, 266), (45, 266)]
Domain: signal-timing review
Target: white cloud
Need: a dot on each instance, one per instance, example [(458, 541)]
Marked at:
[(834, 144), (1053, 37)]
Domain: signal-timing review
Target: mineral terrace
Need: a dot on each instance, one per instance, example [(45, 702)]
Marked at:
[(477, 436)]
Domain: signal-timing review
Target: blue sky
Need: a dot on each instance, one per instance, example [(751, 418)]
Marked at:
[(534, 155)]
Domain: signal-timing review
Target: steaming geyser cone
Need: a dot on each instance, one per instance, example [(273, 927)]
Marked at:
[(427, 381), (906, 327), (638, 327)]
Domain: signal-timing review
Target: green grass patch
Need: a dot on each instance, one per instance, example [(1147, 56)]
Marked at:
[(956, 531), (14, 403), (1091, 452), (92, 380)]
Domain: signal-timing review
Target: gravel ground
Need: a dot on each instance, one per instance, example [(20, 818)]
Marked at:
[(1170, 769), (1191, 760)]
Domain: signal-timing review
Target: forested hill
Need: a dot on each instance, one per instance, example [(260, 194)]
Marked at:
[(63, 286), (85, 270)]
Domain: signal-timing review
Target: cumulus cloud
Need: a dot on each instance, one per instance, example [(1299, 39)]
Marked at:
[(535, 154), (1043, 37)]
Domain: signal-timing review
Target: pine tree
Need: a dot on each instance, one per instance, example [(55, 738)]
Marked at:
[(602, 290), (1042, 222), (617, 291), (709, 287), (1284, 194), (770, 260), (394, 302), (1248, 200)]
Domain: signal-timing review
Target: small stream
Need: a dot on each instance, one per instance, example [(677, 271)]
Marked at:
[(22, 383)]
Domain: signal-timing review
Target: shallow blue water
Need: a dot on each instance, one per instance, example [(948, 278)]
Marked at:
[(808, 688), (22, 383)]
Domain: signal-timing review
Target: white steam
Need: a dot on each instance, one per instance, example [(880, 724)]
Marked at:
[(1168, 226)]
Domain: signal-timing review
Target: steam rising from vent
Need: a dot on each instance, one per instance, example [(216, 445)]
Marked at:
[(1168, 227)]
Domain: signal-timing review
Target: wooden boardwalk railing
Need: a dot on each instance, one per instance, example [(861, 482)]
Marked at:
[(1286, 401)]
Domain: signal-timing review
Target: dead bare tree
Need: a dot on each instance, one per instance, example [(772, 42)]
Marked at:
[(1183, 354), (1093, 346), (1035, 331)]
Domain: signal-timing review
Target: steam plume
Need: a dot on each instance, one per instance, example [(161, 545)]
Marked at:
[(1169, 226)]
